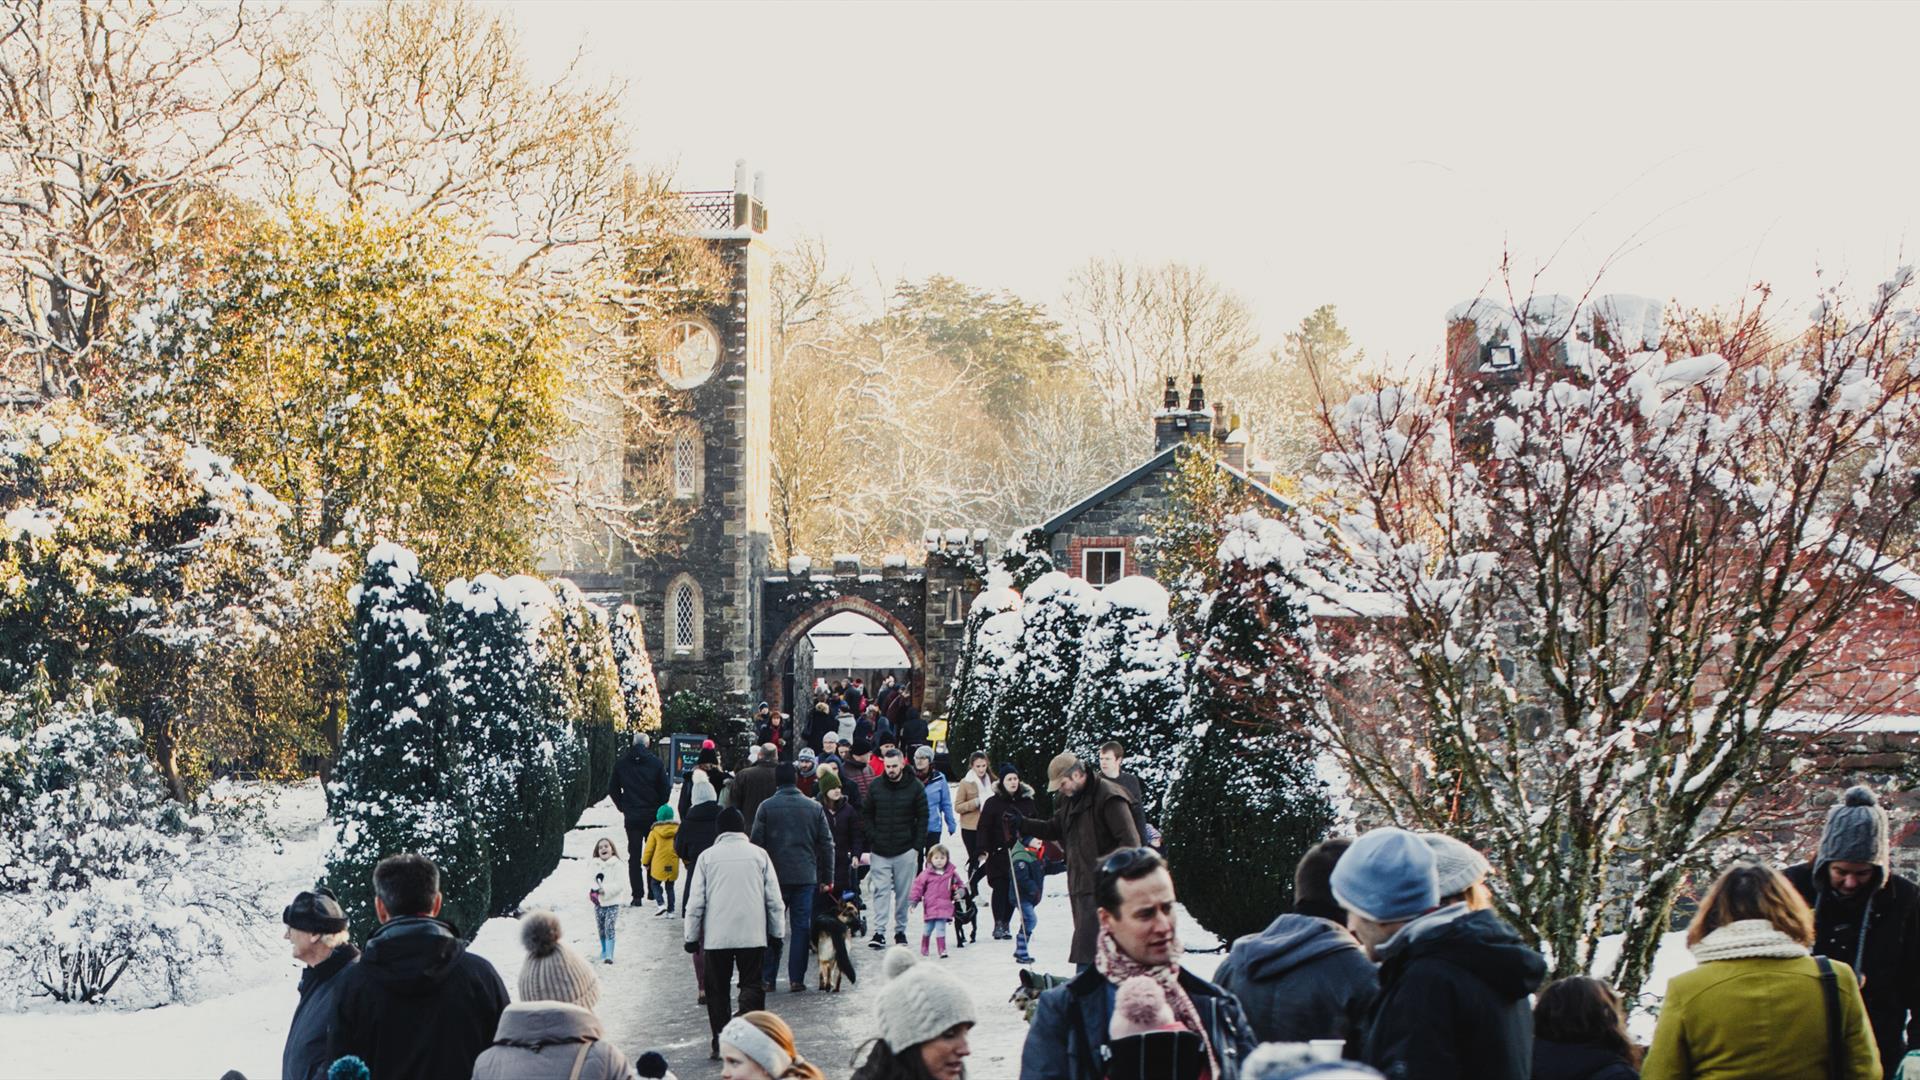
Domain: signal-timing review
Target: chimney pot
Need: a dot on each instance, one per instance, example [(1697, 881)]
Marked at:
[(1173, 395), (760, 187), (739, 176), (1197, 398)]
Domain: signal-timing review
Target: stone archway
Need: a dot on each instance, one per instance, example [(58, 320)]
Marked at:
[(774, 664)]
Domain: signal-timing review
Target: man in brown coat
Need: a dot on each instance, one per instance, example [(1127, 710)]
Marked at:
[(1094, 817)]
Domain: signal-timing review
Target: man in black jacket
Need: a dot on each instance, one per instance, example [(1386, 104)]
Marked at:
[(753, 785), (318, 930), (1869, 917), (1454, 983), (1138, 936), (418, 1004), (793, 831), (895, 816), (640, 785)]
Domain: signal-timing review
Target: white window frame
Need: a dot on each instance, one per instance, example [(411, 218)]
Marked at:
[(1086, 568), (685, 464), (678, 645)]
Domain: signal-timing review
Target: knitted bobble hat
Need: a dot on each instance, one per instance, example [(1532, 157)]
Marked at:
[(1856, 832), (703, 790), (1140, 1006), (665, 813), (1457, 867), (921, 1002), (553, 971)]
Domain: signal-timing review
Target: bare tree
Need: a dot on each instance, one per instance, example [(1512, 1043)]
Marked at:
[(122, 117), (1597, 578), (1135, 325)]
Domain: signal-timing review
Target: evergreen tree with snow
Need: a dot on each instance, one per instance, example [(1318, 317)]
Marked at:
[(992, 673), (1249, 800), (1055, 613), (1131, 687), (966, 730), (639, 689), (509, 762), (395, 789), (596, 680), (1028, 557)]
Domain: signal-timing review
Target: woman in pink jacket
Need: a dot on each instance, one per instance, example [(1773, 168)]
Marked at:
[(935, 888)]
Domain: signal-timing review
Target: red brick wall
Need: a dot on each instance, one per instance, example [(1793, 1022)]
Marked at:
[(1078, 544)]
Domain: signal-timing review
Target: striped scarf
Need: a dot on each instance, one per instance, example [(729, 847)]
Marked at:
[(1118, 967)]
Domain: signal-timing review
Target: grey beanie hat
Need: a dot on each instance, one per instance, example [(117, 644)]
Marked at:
[(1456, 865), (920, 1002), (553, 971), (1857, 831)]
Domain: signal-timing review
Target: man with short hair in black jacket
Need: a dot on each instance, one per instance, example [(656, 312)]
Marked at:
[(640, 786), (895, 816), (418, 1004), (1869, 917)]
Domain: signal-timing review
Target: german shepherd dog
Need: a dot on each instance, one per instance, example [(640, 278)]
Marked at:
[(832, 923)]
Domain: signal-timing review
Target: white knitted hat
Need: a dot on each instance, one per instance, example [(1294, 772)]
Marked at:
[(920, 1002)]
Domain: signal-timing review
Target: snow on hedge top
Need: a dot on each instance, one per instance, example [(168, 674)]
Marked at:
[(403, 564), (479, 595), (1000, 635), (1058, 586), (995, 598), (1139, 593), (530, 597)]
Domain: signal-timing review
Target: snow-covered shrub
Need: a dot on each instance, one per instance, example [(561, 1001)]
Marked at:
[(1028, 728), (991, 673), (596, 682), (506, 757), (1027, 557), (1248, 801), (967, 730), (1132, 687), (135, 563), (396, 789), (101, 875), (639, 690)]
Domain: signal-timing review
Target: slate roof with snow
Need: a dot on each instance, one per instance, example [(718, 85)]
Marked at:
[(1148, 468)]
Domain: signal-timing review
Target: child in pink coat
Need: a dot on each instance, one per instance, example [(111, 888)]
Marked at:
[(936, 887)]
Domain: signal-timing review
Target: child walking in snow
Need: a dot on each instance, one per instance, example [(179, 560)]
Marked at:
[(609, 893), (663, 866), (935, 888)]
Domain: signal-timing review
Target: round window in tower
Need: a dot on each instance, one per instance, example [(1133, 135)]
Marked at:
[(692, 351)]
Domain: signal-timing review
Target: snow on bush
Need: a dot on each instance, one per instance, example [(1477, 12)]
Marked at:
[(102, 877), (992, 670), (967, 730), (1249, 800), (639, 689), (593, 689), (396, 789), (509, 760), (1131, 687), (1025, 727)]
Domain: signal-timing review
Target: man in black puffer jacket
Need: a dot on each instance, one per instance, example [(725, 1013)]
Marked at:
[(895, 816), (1454, 983), (639, 786), (1869, 917), (418, 1004)]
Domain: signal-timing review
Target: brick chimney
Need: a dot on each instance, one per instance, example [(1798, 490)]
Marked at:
[(1199, 420)]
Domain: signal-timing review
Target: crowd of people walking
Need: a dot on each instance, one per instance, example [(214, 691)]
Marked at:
[(1391, 961)]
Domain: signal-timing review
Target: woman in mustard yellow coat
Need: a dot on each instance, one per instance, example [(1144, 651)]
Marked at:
[(1756, 1007)]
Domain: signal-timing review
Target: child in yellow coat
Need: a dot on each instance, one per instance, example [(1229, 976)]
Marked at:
[(663, 866)]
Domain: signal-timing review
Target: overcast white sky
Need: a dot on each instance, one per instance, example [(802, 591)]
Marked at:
[(1375, 156)]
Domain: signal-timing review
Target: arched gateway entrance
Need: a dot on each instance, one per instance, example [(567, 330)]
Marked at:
[(779, 655)]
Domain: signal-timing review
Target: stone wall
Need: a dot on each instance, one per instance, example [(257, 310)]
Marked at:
[(1120, 521)]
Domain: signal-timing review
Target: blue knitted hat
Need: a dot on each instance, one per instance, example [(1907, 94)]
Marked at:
[(1388, 876)]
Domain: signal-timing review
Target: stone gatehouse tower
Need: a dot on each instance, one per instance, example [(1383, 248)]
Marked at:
[(701, 607)]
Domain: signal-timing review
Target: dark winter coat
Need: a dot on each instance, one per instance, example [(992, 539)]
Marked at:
[(996, 830), (1070, 1025), (793, 832), (418, 1004), (1300, 979), (698, 829), (752, 786), (819, 723), (1886, 956), (895, 814), (716, 776), (778, 736), (1576, 1061), (910, 727), (849, 842), (539, 1040), (1453, 1000), (305, 1057), (1132, 784), (1091, 826), (640, 785)]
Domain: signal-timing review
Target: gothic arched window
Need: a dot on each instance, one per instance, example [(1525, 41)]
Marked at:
[(684, 618), (686, 464)]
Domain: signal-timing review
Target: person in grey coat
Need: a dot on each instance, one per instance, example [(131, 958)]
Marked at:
[(793, 831), (733, 913), (551, 1033), (1305, 976)]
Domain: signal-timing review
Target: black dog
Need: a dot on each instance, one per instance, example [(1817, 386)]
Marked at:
[(966, 919)]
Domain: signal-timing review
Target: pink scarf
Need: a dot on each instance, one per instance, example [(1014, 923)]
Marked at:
[(1118, 967)]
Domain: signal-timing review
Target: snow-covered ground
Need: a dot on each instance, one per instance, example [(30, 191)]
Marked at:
[(239, 1020)]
